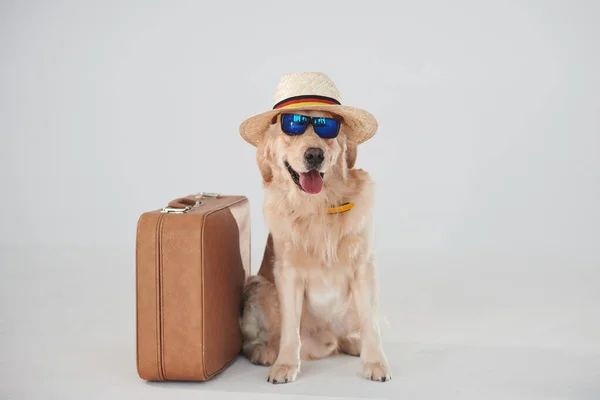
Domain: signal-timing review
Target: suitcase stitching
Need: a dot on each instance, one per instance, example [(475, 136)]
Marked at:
[(159, 354), (157, 277), (162, 304)]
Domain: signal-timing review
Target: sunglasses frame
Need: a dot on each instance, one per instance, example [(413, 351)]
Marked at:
[(310, 122)]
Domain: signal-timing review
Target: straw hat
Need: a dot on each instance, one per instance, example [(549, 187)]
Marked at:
[(310, 91)]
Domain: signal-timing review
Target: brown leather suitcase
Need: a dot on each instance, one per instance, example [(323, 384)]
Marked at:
[(192, 259)]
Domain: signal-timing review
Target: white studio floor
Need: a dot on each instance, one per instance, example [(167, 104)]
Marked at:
[(459, 327)]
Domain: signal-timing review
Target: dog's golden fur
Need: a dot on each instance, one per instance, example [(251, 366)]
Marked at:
[(315, 294)]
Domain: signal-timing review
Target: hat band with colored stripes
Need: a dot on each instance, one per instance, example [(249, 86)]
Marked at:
[(307, 100)]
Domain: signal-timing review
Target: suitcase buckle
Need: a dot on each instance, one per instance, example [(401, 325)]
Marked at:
[(173, 210)]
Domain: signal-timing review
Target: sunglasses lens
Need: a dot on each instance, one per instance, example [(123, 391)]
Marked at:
[(294, 124), (327, 128)]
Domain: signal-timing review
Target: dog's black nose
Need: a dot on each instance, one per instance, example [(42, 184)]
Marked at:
[(313, 157)]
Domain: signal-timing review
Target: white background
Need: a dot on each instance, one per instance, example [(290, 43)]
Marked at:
[(486, 162)]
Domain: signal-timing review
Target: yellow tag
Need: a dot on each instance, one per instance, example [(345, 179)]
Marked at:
[(341, 208)]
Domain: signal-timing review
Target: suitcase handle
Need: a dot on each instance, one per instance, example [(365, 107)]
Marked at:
[(180, 206), (185, 204)]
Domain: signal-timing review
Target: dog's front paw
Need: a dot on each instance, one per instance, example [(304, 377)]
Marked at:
[(377, 371), (283, 373)]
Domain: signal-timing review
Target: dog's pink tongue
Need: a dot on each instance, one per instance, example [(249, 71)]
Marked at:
[(311, 181)]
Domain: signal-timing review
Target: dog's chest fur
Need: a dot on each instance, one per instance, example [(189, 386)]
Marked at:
[(325, 239), (322, 240), (327, 294), (325, 248)]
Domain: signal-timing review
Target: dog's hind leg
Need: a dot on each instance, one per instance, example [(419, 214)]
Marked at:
[(317, 346), (350, 345), (260, 321), (259, 353)]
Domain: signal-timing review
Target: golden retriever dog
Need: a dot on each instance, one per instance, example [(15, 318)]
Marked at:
[(316, 293)]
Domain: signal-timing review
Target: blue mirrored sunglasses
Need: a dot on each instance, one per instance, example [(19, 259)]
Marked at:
[(296, 124)]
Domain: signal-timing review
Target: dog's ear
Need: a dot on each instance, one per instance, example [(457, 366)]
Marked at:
[(350, 154), (263, 162), (349, 146)]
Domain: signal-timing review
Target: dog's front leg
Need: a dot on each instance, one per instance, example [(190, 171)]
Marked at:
[(290, 289), (364, 290)]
